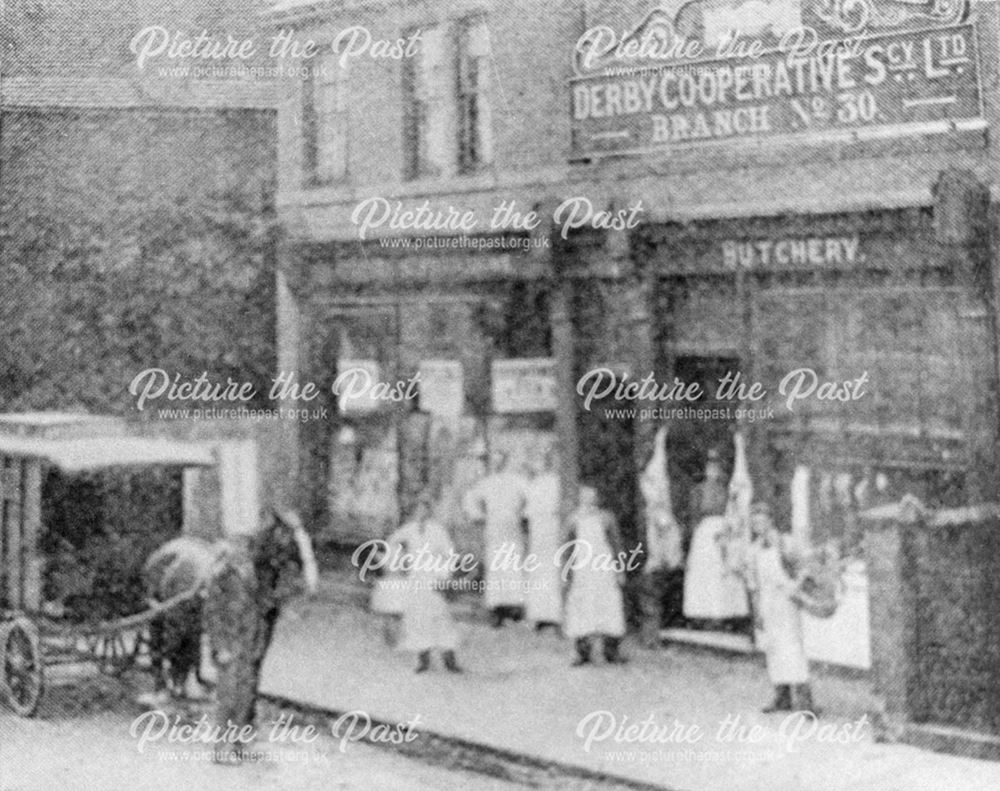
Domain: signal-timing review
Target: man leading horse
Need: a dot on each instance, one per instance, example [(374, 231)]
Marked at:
[(246, 580)]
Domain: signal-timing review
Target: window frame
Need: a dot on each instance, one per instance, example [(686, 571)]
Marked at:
[(418, 111), (471, 96), (316, 113)]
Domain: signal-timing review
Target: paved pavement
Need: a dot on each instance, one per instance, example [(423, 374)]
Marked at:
[(97, 753), (674, 717)]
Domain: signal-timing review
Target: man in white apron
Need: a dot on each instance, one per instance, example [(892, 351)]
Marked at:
[(544, 594), (594, 605), (427, 622), (499, 500), (772, 577)]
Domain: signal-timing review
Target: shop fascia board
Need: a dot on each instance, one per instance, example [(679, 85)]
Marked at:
[(664, 199), (662, 194), (820, 204), (318, 223), (484, 195)]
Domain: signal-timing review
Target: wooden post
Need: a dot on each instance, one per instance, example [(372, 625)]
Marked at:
[(961, 227), (12, 529), (4, 548), (563, 350), (641, 291), (755, 432), (31, 519), (893, 617), (190, 505), (642, 362)]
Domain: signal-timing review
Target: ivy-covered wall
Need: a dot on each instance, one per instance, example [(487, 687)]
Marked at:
[(133, 239)]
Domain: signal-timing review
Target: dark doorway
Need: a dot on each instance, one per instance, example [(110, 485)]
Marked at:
[(688, 441), (688, 445), (606, 460)]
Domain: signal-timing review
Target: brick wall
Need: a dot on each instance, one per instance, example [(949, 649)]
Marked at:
[(531, 44), (532, 47)]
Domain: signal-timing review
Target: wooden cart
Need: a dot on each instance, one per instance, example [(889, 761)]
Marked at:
[(30, 637)]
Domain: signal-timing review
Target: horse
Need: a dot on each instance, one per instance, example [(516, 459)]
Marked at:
[(283, 563)]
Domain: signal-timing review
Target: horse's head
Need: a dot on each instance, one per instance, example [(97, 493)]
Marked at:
[(180, 565), (284, 557)]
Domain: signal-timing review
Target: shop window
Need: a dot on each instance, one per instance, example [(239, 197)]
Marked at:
[(841, 489), (911, 343), (528, 331), (475, 141), (428, 115), (905, 435), (517, 324), (891, 321), (698, 314), (325, 120)]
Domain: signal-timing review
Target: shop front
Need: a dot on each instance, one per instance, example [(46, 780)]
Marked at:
[(815, 257), (855, 352), (868, 341), (430, 363), (807, 244), (870, 349)]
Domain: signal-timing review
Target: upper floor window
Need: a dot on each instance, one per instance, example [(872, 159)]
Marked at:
[(447, 119), (325, 119), (475, 142), (428, 117)]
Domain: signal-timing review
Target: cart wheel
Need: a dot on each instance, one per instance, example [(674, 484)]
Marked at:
[(21, 681)]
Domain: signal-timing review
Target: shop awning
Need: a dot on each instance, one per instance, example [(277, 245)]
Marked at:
[(91, 453)]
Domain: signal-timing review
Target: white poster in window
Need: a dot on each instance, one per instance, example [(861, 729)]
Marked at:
[(442, 387), (355, 386), (362, 489), (524, 385)]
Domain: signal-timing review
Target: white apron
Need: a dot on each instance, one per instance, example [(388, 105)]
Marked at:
[(544, 593), (594, 604), (500, 499), (389, 595), (427, 622), (782, 637), (710, 589)]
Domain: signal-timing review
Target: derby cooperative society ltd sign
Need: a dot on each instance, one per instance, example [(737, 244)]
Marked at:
[(915, 80)]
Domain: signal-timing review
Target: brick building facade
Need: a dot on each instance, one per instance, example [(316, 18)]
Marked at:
[(810, 217)]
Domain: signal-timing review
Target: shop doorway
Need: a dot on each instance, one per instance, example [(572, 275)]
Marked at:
[(607, 460), (688, 446), (689, 441)]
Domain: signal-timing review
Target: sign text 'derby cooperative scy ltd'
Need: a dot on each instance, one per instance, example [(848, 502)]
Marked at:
[(908, 79)]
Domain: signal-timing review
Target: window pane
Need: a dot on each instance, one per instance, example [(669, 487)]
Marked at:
[(428, 116), (433, 92), (475, 138), (331, 111), (309, 124)]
